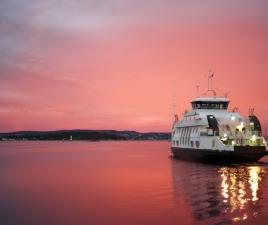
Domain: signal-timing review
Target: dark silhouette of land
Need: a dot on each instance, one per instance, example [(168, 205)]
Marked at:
[(92, 135)]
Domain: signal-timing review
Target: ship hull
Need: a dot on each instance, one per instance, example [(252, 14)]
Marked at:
[(240, 154)]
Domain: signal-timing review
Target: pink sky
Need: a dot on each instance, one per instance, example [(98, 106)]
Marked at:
[(118, 64)]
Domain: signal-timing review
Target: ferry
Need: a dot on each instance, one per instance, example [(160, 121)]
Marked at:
[(212, 132)]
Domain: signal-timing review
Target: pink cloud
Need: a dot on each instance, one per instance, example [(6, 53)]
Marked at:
[(118, 66)]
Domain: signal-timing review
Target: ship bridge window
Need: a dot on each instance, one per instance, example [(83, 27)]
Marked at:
[(210, 105)]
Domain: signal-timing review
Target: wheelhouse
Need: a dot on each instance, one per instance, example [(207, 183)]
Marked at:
[(210, 103)]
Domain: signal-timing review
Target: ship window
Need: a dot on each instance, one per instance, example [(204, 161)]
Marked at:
[(192, 144), (177, 143), (188, 137), (185, 139), (210, 105), (197, 144)]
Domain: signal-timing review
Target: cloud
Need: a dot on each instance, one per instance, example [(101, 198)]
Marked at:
[(109, 63)]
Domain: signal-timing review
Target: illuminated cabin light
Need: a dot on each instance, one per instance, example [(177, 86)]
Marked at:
[(240, 127), (233, 142), (224, 138), (232, 118), (253, 138)]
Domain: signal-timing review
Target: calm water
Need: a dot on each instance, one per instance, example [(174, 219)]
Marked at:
[(124, 183)]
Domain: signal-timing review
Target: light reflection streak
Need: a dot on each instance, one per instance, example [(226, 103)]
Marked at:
[(254, 179), (225, 194), (224, 186), (241, 196), (240, 190)]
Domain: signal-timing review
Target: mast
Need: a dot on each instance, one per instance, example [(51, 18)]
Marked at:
[(197, 91), (174, 108), (210, 84)]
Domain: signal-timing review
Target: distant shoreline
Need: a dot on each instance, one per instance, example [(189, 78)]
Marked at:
[(83, 135), (129, 140)]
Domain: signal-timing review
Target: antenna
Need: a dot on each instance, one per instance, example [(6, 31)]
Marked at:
[(176, 118), (174, 108), (251, 111), (210, 76), (210, 86), (197, 90)]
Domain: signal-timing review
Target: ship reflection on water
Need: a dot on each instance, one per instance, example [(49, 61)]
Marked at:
[(220, 194)]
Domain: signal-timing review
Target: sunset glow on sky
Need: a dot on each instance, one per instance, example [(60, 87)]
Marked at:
[(119, 64)]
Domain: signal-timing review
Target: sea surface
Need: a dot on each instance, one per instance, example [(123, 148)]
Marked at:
[(124, 183)]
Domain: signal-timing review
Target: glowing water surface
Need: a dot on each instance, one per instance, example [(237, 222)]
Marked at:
[(124, 183)]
